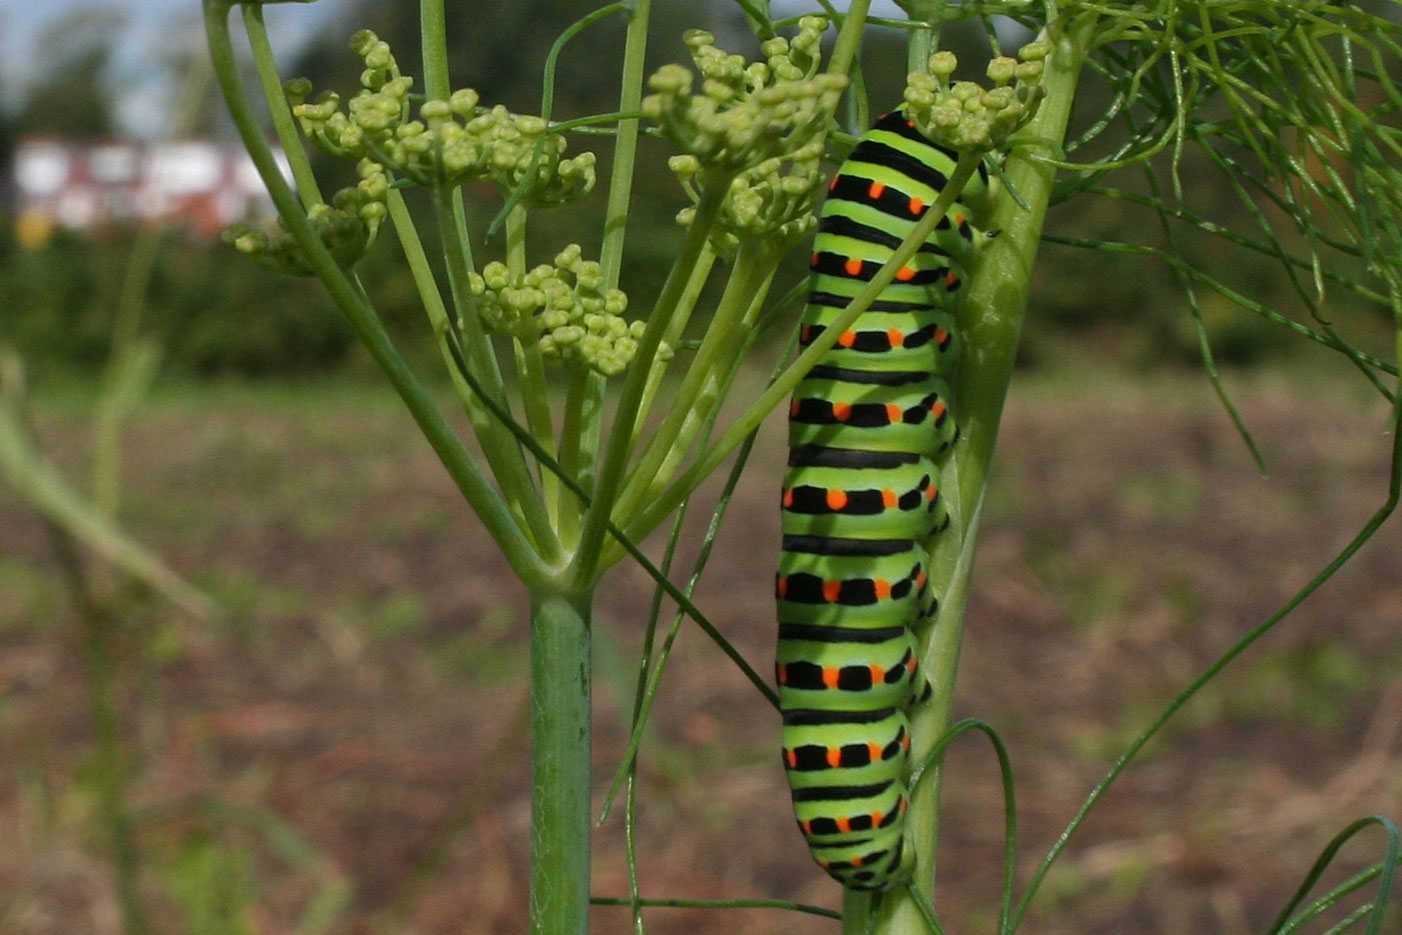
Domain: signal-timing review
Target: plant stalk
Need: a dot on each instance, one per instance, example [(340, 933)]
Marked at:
[(560, 745), (990, 321), (359, 314)]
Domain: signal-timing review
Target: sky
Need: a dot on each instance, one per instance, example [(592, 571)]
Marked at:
[(151, 30)]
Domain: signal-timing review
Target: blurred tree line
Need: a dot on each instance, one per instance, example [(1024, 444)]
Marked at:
[(217, 313)]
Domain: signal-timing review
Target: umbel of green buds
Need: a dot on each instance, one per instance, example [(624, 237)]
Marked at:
[(773, 199), (439, 142), (966, 116), (563, 308), (347, 227), (745, 113)]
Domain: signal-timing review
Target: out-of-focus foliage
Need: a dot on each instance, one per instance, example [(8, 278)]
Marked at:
[(218, 314), (213, 315), (71, 98)]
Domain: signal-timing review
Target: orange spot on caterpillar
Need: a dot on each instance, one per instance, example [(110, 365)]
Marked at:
[(951, 279), (842, 411), (876, 189), (938, 408), (874, 751), (940, 335), (920, 580), (781, 674), (833, 184), (791, 757), (807, 827), (845, 825), (834, 756), (804, 333), (895, 337), (793, 408), (855, 861), (894, 413), (916, 206), (883, 588), (830, 673), (905, 274), (931, 492), (905, 745), (837, 499), (876, 819), (787, 498), (877, 674), (813, 259), (959, 219), (832, 590), (781, 586), (853, 266), (848, 338), (889, 499)]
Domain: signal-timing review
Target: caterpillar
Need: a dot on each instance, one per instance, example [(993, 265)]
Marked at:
[(868, 426)]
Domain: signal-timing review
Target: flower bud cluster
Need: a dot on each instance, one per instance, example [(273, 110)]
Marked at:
[(745, 113), (774, 198), (447, 142), (347, 226), (966, 116), (564, 308)]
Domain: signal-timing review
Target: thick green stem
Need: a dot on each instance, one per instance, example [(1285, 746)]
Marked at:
[(990, 322), (560, 745)]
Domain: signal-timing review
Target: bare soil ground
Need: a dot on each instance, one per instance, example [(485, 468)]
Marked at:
[(364, 693)]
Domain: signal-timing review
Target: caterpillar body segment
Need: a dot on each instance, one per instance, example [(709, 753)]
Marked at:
[(868, 428)]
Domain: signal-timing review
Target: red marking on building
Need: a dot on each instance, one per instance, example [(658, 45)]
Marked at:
[(201, 185)]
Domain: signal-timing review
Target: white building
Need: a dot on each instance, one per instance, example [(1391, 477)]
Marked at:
[(200, 185)]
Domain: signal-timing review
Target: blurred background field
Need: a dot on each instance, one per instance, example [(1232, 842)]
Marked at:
[(341, 747)]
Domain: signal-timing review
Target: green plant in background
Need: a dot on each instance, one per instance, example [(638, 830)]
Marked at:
[(99, 560), (1291, 102)]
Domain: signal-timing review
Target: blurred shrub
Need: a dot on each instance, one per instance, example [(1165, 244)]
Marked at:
[(214, 313)]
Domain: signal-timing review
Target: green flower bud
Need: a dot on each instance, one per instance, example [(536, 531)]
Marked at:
[(943, 64), (1002, 69), (433, 111), (463, 102)]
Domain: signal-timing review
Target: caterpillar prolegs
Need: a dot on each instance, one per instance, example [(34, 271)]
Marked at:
[(868, 426)]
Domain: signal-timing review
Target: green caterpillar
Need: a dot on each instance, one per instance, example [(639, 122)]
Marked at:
[(867, 428)]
